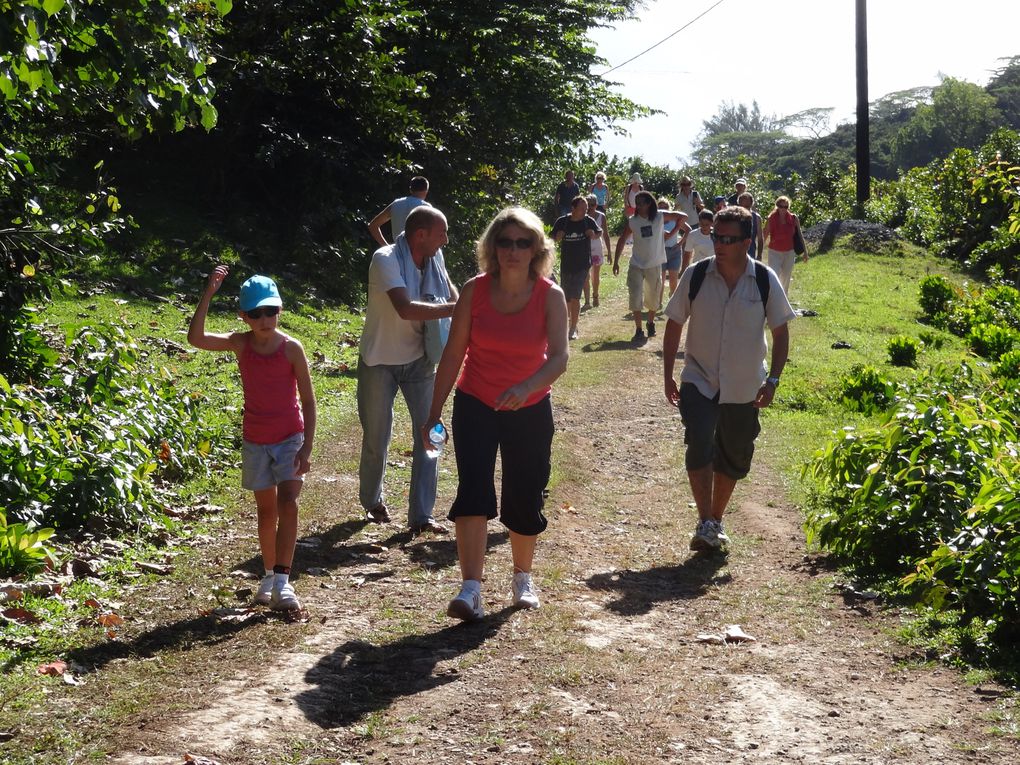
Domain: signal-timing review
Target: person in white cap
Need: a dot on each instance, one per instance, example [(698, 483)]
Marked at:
[(630, 192), (741, 186)]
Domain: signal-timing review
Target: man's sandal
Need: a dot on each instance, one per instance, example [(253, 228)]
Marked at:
[(378, 514)]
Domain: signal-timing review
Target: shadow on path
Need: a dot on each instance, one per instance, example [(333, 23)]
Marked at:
[(641, 590), (359, 678), (184, 635)]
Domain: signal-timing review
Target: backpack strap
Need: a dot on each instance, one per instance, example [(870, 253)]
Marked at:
[(697, 277), (761, 278)]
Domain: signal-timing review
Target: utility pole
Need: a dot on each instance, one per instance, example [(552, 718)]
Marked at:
[(863, 116)]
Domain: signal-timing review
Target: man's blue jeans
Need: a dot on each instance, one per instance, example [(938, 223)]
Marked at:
[(377, 390)]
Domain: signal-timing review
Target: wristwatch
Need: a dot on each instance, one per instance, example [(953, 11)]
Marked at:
[(773, 381)]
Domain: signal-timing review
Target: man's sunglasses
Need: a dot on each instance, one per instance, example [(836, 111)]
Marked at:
[(724, 239), (258, 313), (505, 243)]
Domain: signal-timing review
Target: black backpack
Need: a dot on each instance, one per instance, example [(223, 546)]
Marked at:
[(761, 277)]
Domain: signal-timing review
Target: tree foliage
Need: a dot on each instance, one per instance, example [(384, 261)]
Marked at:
[(1005, 86), (960, 115), (738, 118), (326, 110), (71, 69)]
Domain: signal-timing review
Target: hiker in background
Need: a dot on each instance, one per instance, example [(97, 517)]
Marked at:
[(565, 194), (574, 232), (698, 244), (644, 275), (277, 432), (757, 237), (396, 212), (740, 186), (404, 281), (781, 228), (510, 333), (600, 246), (718, 203), (688, 200), (674, 252), (727, 299), (630, 192), (601, 192)]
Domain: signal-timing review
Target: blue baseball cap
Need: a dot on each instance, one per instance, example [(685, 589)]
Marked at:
[(259, 291)]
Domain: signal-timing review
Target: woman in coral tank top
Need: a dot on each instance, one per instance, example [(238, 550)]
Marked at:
[(510, 332)]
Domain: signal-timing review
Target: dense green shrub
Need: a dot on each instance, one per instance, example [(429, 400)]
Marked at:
[(89, 443), (903, 351), (863, 389), (1008, 367), (937, 296), (930, 496), (889, 496), (992, 340)]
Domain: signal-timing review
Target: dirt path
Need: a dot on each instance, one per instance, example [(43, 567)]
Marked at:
[(609, 670)]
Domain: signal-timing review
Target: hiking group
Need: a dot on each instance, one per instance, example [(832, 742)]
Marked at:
[(498, 344)]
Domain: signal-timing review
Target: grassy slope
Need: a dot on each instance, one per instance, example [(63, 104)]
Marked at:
[(862, 299)]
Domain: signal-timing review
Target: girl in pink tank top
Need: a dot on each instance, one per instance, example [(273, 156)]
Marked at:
[(510, 332), (278, 432)]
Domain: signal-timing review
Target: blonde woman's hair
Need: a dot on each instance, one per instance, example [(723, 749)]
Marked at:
[(779, 199), (544, 249)]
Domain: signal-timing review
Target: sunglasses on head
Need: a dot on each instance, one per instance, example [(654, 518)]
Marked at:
[(522, 243), (258, 313), (724, 239)]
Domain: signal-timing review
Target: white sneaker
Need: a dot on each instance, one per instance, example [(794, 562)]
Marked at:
[(467, 606), (715, 530), (284, 598), (265, 591), (709, 535), (524, 591)]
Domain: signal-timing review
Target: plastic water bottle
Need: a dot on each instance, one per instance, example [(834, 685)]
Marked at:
[(437, 437)]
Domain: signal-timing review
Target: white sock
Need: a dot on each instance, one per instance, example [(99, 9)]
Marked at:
[(280, 580), (471, 585), (269, 572)]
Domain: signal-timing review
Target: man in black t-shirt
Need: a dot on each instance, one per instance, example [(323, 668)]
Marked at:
[(574, 232), (565, 194)]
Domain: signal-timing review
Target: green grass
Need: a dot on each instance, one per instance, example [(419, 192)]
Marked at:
[(862, 299)]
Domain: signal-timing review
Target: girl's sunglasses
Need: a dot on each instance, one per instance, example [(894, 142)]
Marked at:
[(258, 313)]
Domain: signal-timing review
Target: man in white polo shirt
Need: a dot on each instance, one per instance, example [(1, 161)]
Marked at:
[(392, 357), (724, 383)]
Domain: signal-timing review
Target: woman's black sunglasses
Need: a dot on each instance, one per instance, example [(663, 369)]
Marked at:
[(258, 313)]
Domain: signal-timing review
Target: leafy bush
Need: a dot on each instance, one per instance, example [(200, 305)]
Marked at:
[(903, 351), (21, 549), (90, 442), (937, 296), (1008, 367), (889, 496), (979, 566), (932, 340), (930, 496), (864, 389), (992, 340)]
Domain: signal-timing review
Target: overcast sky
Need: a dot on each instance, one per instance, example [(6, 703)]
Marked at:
[(790, 55)]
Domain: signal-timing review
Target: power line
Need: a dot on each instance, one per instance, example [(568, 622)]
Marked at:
[(674, 34)]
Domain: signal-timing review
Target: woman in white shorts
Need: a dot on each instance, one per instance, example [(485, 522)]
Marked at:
[(599, 246)]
